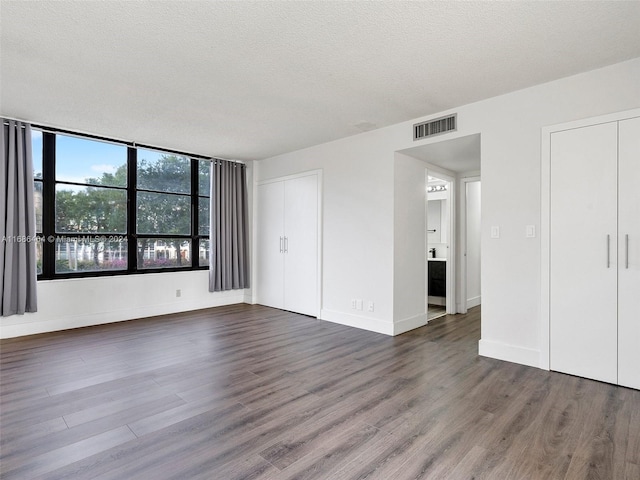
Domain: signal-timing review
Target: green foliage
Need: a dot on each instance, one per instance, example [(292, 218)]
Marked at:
[(167, 173), (97, 209), (164, 214), (204, 176), (93, 209)]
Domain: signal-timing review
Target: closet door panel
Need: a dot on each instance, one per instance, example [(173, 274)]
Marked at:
[(270, 243), (583, 283), (301, 256), (629, 254)]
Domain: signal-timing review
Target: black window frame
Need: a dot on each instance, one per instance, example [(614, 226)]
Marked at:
[(49, 235)]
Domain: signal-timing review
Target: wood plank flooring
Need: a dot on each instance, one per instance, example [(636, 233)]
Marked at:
[(249, 392)]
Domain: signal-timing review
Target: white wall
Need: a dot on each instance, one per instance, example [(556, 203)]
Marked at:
[(359, 256), (357, 225), (409, 244), (81, 302), (511, 138), (73, 303)]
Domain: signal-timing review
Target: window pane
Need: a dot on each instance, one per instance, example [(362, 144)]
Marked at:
[(163, 172), (203, 255), (162, 213), (163, 253), (36, 152), (37, 203), (89, 161), (90, 210), (90, 254), (203, 216), (204, 176)]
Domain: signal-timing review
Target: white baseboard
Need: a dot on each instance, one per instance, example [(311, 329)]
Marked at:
[(474, 302), (509, 353), (68, 322), (410, 323), (357, 321)]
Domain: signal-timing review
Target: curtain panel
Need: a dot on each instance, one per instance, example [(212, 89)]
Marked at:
[(18, 277), (228, 258)]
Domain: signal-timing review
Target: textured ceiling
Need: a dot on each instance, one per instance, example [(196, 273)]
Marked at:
[(249, 80)]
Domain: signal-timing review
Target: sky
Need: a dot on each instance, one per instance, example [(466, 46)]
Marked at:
[(78, 159)]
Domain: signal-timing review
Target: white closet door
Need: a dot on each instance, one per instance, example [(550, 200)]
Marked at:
[(301, 245), (629, 254), (270, 239), (583, 283)]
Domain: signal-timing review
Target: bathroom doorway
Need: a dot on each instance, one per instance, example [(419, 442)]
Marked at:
[(439, 241), (451, 162)]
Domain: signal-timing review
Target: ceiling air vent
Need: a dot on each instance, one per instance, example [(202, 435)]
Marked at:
[(434, 127)]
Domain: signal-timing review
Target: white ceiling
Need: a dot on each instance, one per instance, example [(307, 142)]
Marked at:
[(249, 80)]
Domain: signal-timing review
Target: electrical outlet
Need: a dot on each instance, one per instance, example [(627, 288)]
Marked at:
[(370, 306), (354, 303), (359, 304), (530, 231), (178, 293)]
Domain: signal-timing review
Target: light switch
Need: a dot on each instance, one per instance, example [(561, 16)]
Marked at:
[(495, 232), (530, 231)]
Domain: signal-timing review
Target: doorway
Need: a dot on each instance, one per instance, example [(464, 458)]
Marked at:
[(439, 241), (458, 161)]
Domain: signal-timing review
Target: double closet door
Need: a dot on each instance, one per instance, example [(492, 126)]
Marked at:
[(287, 244), (595, 252)]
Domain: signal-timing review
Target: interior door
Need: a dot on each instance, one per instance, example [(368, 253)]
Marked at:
[(583, 247), (270, 238), (301, 245), (629, 254)]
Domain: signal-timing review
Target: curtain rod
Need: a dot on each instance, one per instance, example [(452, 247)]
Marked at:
[(50, 129)]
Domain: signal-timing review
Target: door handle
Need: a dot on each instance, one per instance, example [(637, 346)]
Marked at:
[(626, 251), (281, 245), (608, 251), (286, 244)]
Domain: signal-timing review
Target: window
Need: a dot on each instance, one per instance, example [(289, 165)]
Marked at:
[(163, 216), (90, 205), (204, 186), (36, 147), (104, 207)]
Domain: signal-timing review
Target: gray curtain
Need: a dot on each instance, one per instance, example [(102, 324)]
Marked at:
[(17, 221), (228, 258)]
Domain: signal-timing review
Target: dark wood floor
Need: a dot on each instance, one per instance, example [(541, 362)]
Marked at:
[(249, 392)]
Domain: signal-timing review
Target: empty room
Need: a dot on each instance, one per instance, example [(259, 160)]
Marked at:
[(319, 240)]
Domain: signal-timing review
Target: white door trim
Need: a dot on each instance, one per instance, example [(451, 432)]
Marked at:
[(462, 306)]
